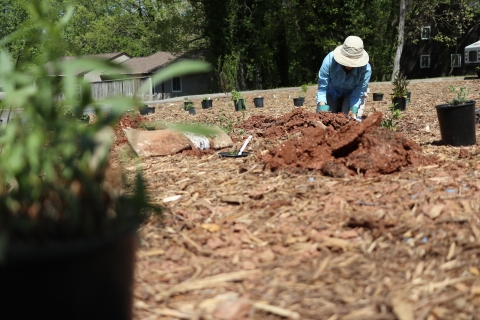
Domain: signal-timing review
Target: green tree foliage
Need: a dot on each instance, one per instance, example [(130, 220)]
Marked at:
[(276, 43)]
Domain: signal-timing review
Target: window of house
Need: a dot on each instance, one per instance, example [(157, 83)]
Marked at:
[(177, 84), (425, 61), (425, 33), (456, 60)]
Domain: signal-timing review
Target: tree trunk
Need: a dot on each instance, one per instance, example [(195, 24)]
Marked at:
[(401, 39)]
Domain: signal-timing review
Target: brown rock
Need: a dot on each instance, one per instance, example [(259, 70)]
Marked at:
[(267, 256), (463, 153), (157, 142), (215, 242), (221, 140), (233, 309)]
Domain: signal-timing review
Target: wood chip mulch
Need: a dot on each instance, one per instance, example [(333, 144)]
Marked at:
[(239, 240)]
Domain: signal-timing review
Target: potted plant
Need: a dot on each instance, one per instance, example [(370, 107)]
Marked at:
[(143, 109), (377, 96), (190, 108), (457, 119), (298, 102), (206, 103), (68, 237), (69, 113), (187, 103), (258, 102), (239, 101), (400, 91)]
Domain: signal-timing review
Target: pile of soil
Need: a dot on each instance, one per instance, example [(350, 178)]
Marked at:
[(335, 144)]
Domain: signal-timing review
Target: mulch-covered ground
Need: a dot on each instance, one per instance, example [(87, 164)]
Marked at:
[(327, 218)]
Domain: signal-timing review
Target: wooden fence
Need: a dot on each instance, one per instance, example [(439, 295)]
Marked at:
[(125, 88)]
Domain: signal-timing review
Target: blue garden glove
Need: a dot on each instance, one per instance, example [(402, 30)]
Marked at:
[(353, 110), (323, 108)]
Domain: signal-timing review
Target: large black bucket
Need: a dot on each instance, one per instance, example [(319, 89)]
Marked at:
[(84, 279), (457, 123)]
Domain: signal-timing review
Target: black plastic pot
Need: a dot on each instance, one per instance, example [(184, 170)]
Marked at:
[(84, 279), (151, 109), (143, 110), (258, 102), (240, 105), (192, 111), (298, 102), (377, 96), (206, 104), (457, 123), (400, 103)]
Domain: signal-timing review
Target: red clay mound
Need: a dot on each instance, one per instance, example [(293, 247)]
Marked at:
[(293, 122), (344, 147)]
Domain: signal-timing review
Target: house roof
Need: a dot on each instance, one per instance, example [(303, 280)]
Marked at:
[(151, 63), (107, 56)]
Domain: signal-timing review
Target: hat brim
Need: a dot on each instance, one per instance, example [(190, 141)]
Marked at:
[(348, 62)]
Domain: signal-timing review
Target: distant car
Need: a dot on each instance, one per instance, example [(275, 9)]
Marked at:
[(472, 54)]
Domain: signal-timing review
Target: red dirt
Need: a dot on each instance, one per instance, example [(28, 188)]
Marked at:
[(336, 145), (128, 120)]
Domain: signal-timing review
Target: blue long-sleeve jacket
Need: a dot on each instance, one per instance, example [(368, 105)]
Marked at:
[(333, 79)]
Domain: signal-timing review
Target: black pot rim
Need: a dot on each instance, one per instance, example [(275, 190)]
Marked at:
[(453, 106), (56, 250)]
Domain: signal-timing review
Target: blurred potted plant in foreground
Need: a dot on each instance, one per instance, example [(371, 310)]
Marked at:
[(67, 236)]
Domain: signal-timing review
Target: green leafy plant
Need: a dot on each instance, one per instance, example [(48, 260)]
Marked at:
[(228, 122), (188, 104), (236, 95), (477, 68), (53, 184), (303, 91), (393, 120), (400, 84), (461, 97), (206, 98)]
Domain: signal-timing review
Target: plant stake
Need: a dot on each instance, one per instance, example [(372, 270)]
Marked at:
[(245, 145)]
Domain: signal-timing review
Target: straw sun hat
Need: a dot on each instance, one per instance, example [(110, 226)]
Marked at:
[(351, 53)]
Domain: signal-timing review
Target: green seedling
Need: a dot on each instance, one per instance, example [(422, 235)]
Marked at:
[(394, 120), (461, 97)]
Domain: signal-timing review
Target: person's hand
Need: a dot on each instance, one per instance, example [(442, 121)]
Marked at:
[(323, 108), (353, 111)]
